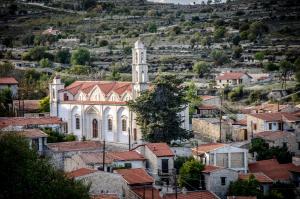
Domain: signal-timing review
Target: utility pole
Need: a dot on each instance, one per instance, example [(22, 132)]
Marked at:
[(220, 118), (129, 140), (103, 160), (175, 179)]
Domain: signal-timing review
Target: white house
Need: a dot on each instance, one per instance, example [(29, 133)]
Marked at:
[(97, 110), (222, 155), (11, 83), (232, 79)]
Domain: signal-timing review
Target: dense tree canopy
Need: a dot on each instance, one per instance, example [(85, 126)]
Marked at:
[(158, 110), (245, 188), (80, 57), (25, 175)]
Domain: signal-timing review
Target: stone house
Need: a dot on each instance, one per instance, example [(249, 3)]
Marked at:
[(60, 153), (113, 160), (160, 160), (269, 108), (211, 100), (11, 83), (217, 179), (21, 123), (37, 139), (100, 182), (280, 139), (264, 181), (222, 155), (232, 79), (279, 121)]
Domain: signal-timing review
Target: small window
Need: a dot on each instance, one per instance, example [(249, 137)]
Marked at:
[(66, 97), (77, 120), (254, 126), (128, 165), (124, 124), (298, 145), (284, 144), (53, 93), (223, 181), (270, 126), (109, 124)]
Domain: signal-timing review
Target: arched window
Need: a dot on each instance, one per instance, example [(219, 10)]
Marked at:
[(142, 57), (109, 124), (95, 128), (124, 124), (53, 93), (77, 122), (136, 57), (66, 97)]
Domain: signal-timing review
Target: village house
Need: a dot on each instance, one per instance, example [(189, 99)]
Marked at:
[(113, 160), (100, 182), (222, 155), (232, 79), (209, 107), (28, 108), (37, 139), (11, 83), (160, 160), (217, 179), (21, 123), (269, 108), (280, 139), (279, 121), (288, 172), (51, 31), (60, 153), (264, 181)]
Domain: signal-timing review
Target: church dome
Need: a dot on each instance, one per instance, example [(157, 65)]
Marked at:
[(139, 44)]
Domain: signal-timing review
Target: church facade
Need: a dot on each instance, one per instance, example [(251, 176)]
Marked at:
[(97, 110)]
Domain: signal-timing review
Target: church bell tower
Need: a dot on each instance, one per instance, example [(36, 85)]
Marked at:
[(139, 69)]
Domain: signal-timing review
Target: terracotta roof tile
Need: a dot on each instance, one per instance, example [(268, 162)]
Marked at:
[(207, 97), (204, 148), (75, 146), (23, 121), (93, 102), (273, 169), (207, 107), (33, 133), (231, 75), (279, 116), (105, 86), (105, 196), (8, 80), (273, 135), (29, 105), (160, 149), (260, 177), (80, 172), (210, 168), (135, 176), (241, 197), (192, 195)]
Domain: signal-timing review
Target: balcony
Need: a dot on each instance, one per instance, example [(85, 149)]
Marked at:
[(165, 172)]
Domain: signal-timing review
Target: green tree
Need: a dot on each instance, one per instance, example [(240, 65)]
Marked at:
[(286, 69), (249, 187), (158, 110), (44, 104), (270, 66), (26, 175), (236, 94), (192, 97), (6, 101), (236, 40), (79, 70), (80, 56), (151, 27), (115, 74), (259, 56), (219, 57), (219, 33), (201, 68), (63, 56), (28, 40), (190, 174), (6, 69), (45, 63), (180, 160)]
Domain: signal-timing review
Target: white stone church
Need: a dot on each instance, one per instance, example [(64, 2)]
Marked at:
[(97, 110)]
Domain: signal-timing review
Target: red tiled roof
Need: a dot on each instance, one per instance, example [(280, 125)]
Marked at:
[(279, 116), (110, 157), (135, 176), (105, 196), (29, 105), (8, 80), (231, 75), (80, 172), (210, 168), (160, 149), (273, 135), (33, 133), (23, 121), (192, 195), (75, 146), (204, 148), (105, 86), (242, 122), (207, 107), (273, 169), (93, 102), (147, 193), (260, 177), (207, 97), (241, 197)]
